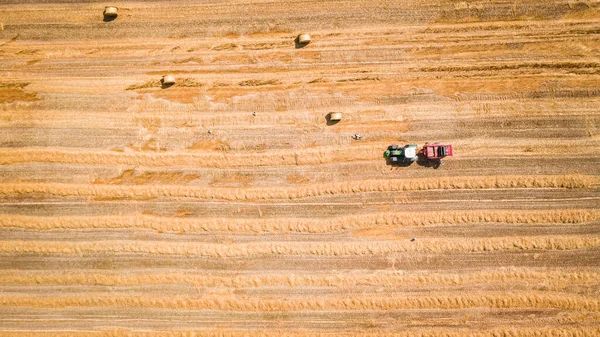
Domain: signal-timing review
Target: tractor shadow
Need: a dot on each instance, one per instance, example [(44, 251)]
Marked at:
[(423, 161), (109, 18), (299, 45)]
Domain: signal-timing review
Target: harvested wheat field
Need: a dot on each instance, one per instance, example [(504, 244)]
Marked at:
[(224, 200)]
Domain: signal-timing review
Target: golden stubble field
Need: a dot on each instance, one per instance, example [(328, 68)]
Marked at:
[(122, 215)]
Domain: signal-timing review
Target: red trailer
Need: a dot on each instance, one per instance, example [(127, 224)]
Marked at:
[(436, 151)]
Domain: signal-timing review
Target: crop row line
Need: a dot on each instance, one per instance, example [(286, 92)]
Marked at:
[(296, 192), (390, 302), (381, 278), (300, 248), (300, 225)]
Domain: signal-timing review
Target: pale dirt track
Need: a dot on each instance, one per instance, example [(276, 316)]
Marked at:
[(120, 215)]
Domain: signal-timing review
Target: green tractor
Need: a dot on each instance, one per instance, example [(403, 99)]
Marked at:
[(402, 154)]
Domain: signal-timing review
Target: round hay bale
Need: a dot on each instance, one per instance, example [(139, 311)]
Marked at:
[(303, 38), (168, 80), (110, 11), (335, 116)]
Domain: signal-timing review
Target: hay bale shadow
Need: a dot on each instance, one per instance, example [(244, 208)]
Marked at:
[(164, 85), (109, 18)]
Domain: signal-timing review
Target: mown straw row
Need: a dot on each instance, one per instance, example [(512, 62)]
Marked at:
[(302, 248), (386, 279), (216, 160), (335, 188), (390, 302), (512, 331), (301, 225)]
